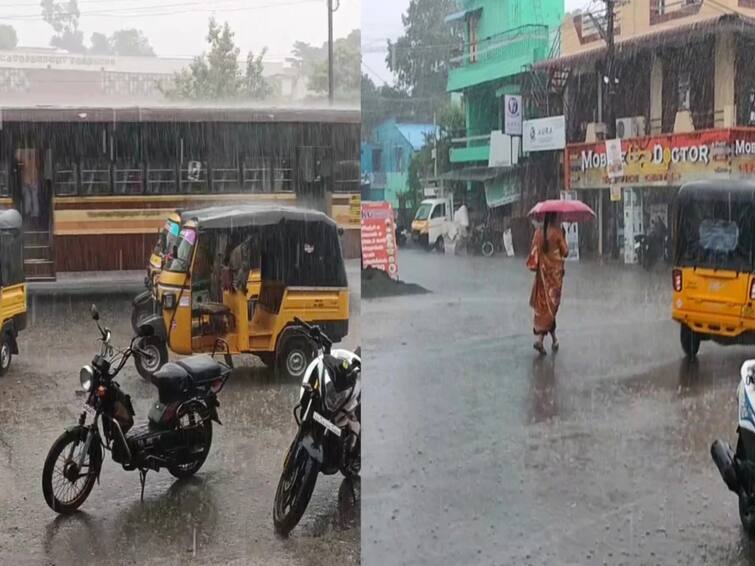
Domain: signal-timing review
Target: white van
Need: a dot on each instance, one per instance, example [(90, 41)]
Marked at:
[(432, 223)]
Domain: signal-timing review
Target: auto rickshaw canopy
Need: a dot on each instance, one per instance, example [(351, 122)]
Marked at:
[(714, 225), (297, 247)]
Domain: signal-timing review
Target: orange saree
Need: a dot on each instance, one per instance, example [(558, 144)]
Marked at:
[(549, 278)]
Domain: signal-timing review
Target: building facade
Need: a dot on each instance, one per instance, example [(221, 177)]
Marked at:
[(385, 158), (502, 39), (37, 76), (684, 103)]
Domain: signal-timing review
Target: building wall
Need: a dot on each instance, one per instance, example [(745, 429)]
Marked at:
[(636, 18)]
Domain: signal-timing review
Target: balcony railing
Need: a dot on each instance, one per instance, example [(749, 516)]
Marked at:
[(513, 43)]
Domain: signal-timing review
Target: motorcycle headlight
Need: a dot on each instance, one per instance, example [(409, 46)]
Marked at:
[(86, 377), (334, 399)]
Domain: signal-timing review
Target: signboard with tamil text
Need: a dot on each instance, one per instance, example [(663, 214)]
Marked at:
[(378, 237)]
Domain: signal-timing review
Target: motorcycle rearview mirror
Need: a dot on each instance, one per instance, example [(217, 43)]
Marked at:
[(145, 330), (95, 312)]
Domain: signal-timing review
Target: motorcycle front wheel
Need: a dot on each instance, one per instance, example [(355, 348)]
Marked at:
[(65, 484), (295, 489)]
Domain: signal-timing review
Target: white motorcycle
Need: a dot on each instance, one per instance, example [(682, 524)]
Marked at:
[(329, 419), (737, 468)]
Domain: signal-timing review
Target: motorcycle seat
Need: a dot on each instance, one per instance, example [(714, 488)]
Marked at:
[(201, 368), (171, 381)]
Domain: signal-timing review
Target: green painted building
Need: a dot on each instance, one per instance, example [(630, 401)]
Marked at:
[(502, 38)]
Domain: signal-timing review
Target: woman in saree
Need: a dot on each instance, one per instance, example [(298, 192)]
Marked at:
[(546, 259)]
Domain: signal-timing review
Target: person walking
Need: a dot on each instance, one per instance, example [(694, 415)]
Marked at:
[(546, 259)]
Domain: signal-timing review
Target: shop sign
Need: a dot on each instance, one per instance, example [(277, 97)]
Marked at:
[(500, 150), (544, 134), (661, 161), (512, 123), (378, 237)]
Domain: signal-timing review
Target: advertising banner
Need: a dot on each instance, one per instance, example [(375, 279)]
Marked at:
[(379, 237), (668, 160), (544, 134)]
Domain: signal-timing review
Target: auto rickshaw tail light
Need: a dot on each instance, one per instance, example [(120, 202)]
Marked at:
[(677, 275)]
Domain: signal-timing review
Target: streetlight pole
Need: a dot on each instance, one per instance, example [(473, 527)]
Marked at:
[(330, 50)]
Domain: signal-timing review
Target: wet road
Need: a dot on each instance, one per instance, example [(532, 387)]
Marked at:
[(222, 516), (480, 452)]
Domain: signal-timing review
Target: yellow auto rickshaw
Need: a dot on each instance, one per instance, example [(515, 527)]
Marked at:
[(12, 285), (206, 299), (714, 285), (146, 303)]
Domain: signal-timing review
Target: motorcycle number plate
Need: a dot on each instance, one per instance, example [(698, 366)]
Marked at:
[(326, 423)]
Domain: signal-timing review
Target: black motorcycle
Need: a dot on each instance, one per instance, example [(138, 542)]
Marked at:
[(176, 436), (329, 419), (650, 249)]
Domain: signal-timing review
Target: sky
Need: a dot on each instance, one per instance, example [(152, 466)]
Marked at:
[(178, 28), (381, 20)]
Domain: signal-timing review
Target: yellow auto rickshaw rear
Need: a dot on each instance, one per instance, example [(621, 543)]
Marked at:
[(714, 293), (12, 286)]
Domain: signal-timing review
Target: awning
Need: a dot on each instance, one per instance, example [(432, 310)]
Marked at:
[(677, 34), (458, 16), (480, 174)]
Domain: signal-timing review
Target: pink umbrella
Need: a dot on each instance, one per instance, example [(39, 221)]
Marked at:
[(567, 210)]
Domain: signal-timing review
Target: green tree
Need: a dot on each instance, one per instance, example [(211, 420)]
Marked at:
[(131, 42), (64, 19), (216, 75), (100, 44), (8, 37), (255, 84), (450, 121), (388, 101), (419, 58), (346, 63)]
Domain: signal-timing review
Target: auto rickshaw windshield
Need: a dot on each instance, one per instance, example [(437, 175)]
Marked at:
[(716, 232), (168, 238), (185, 248)]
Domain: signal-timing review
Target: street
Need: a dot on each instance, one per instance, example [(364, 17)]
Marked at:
[(221, 516), (481, 452)]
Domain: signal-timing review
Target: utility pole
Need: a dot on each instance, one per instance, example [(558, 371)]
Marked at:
[(330, 48), (611, 69)]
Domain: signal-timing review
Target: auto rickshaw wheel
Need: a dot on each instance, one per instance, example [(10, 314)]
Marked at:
[(155, 356), (690, 341), (6, 352), (294, 357)]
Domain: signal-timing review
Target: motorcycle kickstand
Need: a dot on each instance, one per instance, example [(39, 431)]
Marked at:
[(142, 479)]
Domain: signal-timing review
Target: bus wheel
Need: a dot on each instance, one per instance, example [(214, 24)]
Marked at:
[(6, 353), (690, 341)]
